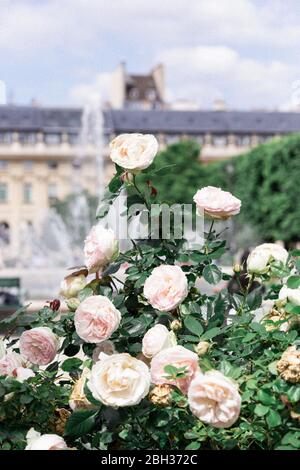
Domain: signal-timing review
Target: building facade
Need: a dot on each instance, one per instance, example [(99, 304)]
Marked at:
[(42, 157), (137, 91)]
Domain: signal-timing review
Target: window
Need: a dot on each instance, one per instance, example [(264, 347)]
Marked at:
[(151, 94), (172, 139), (52, 139), (52, 191), (73, 139), (27, 193), (219, 140), (4, 233), (243, 140), (28, 165), (264, 138), (3, 192), (77, 164), (134, 93), (5, 137), (3, 165), (27, 137), (52, 164), (200, 139)]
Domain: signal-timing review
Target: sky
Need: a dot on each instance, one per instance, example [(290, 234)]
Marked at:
[(61, 52)]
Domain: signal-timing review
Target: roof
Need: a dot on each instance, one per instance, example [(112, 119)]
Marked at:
[(197, 122), (143, 83), (46, 119), (35, 118)]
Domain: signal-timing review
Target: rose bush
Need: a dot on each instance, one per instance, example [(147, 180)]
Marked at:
[(147, 359)]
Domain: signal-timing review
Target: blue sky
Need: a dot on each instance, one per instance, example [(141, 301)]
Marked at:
[(62, 51)]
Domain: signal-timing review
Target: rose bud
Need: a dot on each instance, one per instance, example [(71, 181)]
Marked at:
[(73, 303), (176, 325), (202, 348), (55, 305), (72, 285)]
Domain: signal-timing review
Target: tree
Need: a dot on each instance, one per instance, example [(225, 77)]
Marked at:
[(181, 173), (267, 181)]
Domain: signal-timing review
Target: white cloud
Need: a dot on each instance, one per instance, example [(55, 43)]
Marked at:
[(95, 90), (204, 73)]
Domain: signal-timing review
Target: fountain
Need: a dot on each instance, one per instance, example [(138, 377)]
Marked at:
[(48, 251)]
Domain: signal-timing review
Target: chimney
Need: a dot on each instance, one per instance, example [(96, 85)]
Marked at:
[(2, 92), (158, 74), (34, 103)]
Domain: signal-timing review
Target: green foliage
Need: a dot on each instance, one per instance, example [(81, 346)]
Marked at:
[(179, 173), (265, 179)]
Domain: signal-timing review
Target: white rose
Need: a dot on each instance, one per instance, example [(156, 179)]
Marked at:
[(290, 295), (214, 399), (156, 339), (100, 247), (259, 259), (133, 151), (38, 441), (72, 285), (119, 380)]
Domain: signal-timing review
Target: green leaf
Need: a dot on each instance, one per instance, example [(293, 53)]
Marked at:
[(272, 368), (193, 325), (254, 299), (84, 293), (209, 334), (80, 423), (212, 274), (71, 364), (265, 398), (293, 282), (273, 419), (261, 410), (193, 446), (115, 184), (112, 268)]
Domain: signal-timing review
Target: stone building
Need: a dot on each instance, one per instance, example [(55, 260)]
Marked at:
[(42, 157)]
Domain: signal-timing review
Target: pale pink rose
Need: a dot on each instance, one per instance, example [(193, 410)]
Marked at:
[(10, 362), (214, 399), (38, 441), (100, 247), (134, 152), (179, 357), (156, 339), (166, 287), (96, 319), (216, 203), (39, 345)]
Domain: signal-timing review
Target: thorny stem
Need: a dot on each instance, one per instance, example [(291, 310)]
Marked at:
[(246, 292)]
